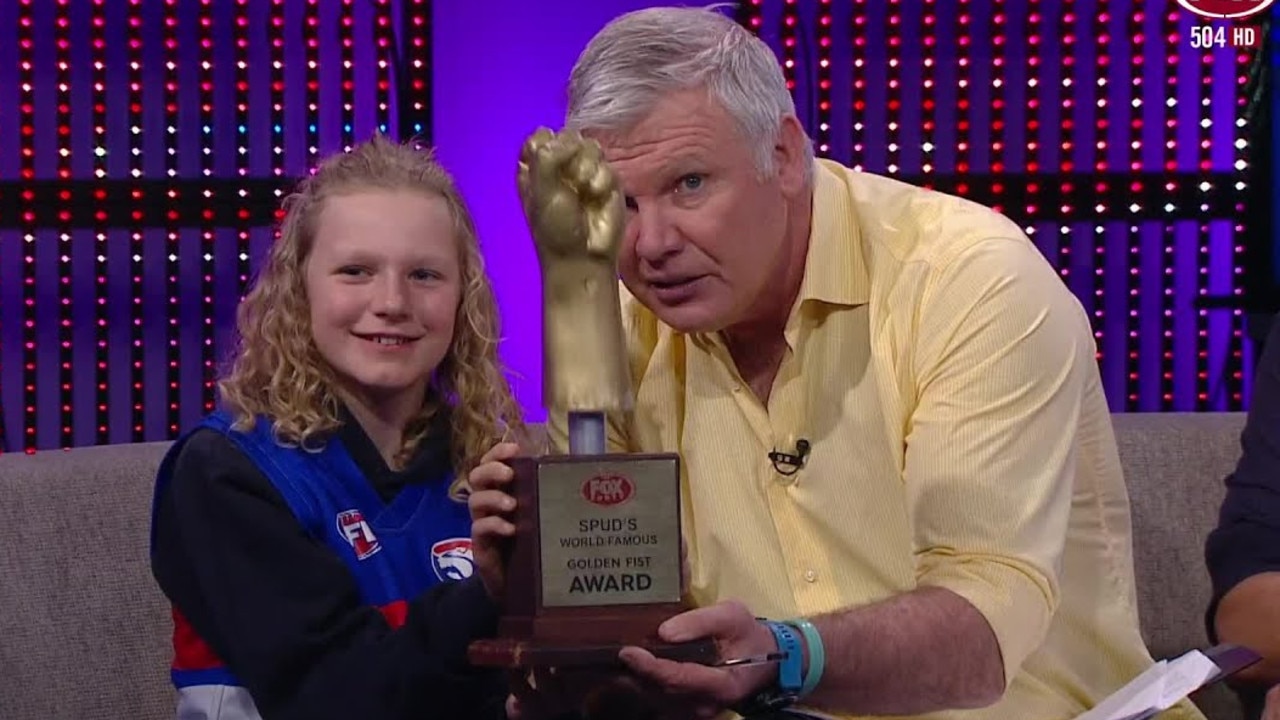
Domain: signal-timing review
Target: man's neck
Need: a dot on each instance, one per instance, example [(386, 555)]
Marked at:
[(758, 361), (758, 345)]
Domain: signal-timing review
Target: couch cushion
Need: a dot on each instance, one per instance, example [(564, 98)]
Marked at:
[(1174, 466), (84, 631)]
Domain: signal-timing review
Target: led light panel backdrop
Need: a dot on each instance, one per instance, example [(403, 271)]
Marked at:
[(1124, 151), (144, 149)]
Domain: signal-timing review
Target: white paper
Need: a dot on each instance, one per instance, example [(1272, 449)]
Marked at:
[(1156, 690)]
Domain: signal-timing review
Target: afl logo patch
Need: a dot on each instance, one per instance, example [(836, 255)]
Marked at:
[(359, 535)]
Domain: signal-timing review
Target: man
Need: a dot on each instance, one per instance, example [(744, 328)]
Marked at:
[(886, 403), (1243, 552)]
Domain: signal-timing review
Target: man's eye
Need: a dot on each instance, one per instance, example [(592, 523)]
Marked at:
[(690, 182)]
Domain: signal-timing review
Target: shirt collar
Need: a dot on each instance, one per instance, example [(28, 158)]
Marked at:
[(834, 268)]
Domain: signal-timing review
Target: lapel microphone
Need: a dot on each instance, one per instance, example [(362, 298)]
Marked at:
[(790, 463)]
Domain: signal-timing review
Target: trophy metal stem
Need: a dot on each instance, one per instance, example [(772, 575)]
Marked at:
[(587, 433)]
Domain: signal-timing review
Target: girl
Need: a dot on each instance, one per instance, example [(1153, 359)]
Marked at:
[(312, 534)]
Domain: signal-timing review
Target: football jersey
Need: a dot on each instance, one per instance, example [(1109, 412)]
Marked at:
[(394, 550)]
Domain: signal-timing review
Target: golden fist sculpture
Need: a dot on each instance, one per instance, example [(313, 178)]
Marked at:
[(576, 215)]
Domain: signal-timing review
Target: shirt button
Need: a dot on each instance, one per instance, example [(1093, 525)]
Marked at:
[(811, 575)]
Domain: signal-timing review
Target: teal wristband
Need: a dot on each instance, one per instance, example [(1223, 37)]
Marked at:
[(817, 654)]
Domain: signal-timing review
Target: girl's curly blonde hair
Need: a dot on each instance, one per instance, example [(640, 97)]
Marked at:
[(277, 372)]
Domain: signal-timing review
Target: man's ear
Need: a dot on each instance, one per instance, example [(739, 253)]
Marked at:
[(789, 156)]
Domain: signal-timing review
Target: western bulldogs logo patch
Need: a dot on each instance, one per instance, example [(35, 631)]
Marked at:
[(351, 525), (452, 559)]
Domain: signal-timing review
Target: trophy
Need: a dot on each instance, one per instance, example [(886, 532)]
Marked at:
[(596, 563)]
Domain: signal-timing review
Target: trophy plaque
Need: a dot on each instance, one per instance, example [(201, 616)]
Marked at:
[(596, 563)]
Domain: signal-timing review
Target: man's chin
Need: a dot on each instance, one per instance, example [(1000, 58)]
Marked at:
[(689, 318)]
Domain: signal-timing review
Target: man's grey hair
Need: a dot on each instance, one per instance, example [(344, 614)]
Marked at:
[(642, 56)]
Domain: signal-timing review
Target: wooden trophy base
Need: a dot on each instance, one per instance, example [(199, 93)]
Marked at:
[(531, 654), (585, 638), (580, 650)]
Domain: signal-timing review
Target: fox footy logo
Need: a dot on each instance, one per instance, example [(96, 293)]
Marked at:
[(607, 490), (451, 559), (351, 525)]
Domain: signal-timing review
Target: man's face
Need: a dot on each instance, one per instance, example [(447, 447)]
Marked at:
[(705, 233)]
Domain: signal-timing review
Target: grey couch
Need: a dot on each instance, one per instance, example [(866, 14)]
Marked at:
[(84, 633)]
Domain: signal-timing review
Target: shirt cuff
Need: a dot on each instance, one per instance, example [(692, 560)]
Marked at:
[(1016, 603)]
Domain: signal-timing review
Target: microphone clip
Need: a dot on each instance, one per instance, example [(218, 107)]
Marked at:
[(790, 463)]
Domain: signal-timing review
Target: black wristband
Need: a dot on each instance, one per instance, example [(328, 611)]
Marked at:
[(766, 704)]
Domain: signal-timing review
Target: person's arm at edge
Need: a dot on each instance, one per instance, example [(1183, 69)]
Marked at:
[(1243, 552)]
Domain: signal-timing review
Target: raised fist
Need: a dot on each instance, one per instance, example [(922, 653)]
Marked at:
[(570, 196)]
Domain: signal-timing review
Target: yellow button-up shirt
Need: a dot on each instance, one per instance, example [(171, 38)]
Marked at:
[(946, 381)]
